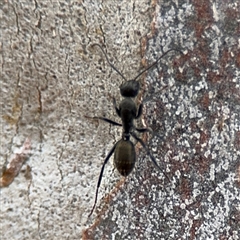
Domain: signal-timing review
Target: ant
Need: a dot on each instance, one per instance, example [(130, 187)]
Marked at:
[(124, 149)]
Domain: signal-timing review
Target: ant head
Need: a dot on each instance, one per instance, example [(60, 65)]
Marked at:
[(129, 88)]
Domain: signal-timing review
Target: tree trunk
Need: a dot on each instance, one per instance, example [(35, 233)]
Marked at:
[(53, 79)]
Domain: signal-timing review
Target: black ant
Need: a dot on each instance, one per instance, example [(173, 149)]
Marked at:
[(124, 149)]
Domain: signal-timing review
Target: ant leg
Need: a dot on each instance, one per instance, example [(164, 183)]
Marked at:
[(142, 130), (106, 120), (116, 108), (100, 177), (140, 109), (149, 154)]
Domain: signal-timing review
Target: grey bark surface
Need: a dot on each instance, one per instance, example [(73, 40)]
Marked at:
[(51, 78)]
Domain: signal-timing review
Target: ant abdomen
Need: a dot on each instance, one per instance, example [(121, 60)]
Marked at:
[(124, 157)]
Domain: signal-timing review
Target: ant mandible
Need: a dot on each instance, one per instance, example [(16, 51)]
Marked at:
[(124, 149)]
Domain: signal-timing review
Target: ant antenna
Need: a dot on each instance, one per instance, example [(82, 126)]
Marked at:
[(155, 63), (145, 70), (111, 65)]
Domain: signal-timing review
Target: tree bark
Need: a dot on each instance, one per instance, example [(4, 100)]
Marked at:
[(52, 78)]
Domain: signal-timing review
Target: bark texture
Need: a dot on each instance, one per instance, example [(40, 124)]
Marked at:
[(51, 78)]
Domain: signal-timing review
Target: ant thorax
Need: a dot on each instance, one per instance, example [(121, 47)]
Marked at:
[(128, 112)]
